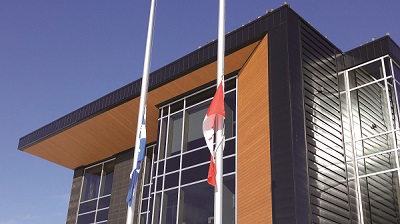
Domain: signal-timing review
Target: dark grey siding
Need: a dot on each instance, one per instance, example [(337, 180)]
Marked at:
[(75, 196), (380, 47), (118, 205), (328, 191), (290, 201)]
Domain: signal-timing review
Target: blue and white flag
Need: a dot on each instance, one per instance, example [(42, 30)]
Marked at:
[(136, 169)]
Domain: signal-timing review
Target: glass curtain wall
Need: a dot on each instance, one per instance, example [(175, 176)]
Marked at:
[(370, 116), (176, 188), (96, 193)]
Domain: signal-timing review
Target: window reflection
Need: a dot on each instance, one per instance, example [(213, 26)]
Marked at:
[(173, 164), (157, 208), (194, 174), (171, 180), (107, 178), (96, 193), (175, 136), (143, 218), (102, 215), (87, 218), (162, 139), (195, 138), (198, 202), (171, 202), (196, 157), (229, 193), (230, 114), (148, 159), (91, 183), (87, 206)]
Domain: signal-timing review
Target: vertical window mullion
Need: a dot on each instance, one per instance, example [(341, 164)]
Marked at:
[(397, 118), (180, 163), (98, 194), (395, 94), (165, 164), (158, 161), (155, 164), (394, 141), (144, 164), (150, 183), (236, 142)]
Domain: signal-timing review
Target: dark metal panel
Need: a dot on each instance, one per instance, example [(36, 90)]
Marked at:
[(394, 50), (283, 196), (314, 38), (327, 174), (377, 48), (298, 122)]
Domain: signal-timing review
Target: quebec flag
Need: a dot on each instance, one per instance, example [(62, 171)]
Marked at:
[(136, 169)]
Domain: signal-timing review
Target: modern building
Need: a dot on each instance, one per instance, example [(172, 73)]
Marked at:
[(311, 134)]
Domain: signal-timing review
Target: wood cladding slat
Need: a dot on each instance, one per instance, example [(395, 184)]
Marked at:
[(253, 153), (114, 131)]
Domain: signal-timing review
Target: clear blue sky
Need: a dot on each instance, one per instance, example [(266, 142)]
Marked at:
[(56, 56)]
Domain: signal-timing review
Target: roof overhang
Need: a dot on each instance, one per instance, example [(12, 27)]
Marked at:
[(113, 130)]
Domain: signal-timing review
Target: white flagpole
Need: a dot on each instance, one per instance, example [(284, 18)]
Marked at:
[(218, 192), (143, 99)]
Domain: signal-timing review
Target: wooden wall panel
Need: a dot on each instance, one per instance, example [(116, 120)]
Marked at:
[(253, 154)]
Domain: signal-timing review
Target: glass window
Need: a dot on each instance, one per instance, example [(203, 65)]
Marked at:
[(143, 218), (229, 201), (171, 202), (175, 134), (171, 180), (173, 164), (157, 206), (196, 157), (179, 191), (162, 138), (91, 183), (86, 218), (230, 114), (198, 202), (102, 215), (195, 138), (96, 193), (148, 160), (87, 206), (106, 180)]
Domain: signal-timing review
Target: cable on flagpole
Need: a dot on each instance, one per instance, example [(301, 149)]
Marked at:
[(218, 146)]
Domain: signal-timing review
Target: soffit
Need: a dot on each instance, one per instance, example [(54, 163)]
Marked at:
[(113, 131)]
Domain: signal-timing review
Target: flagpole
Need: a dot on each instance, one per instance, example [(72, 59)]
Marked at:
[(143, 98), (219, 138)]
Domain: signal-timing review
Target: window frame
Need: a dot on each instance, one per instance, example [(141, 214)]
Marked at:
[(99, 196), (161, 157)]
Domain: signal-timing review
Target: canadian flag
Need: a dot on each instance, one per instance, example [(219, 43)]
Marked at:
[(215, 115)]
